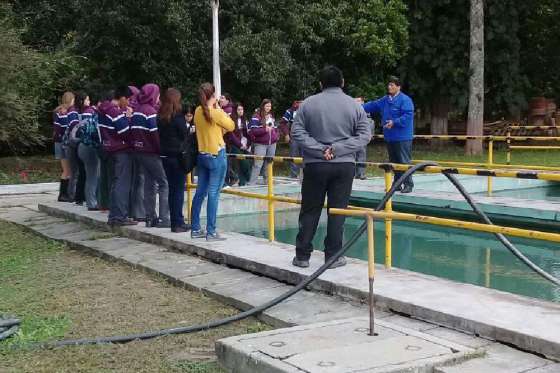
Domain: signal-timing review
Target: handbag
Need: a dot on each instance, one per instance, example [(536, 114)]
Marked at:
[(189, 152)]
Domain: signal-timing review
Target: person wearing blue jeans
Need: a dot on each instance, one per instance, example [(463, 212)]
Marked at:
[(211, 173), (211, 124), (397, 118)]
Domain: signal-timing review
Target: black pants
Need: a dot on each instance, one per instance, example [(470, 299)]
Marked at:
[(320, 180), (400, 152)]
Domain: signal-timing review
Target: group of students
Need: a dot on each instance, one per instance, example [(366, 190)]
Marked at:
[(259, 136), (128, 148), (122, 152)]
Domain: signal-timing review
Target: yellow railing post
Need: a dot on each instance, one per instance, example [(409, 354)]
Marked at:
[(270, 195), (490, 162), (371, 271), (388, 224), (189, 197), (508, 143)]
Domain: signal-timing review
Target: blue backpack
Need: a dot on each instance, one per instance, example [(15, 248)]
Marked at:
[(88, 131)]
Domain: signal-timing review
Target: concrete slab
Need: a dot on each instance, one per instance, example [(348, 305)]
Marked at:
[(527, 323), (339, 346), (28, 188), (499, 359)]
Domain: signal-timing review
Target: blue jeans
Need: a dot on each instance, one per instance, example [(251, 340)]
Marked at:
[(176, 179), (401, 152), (211, 173)]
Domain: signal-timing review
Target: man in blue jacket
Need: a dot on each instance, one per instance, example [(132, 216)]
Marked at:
[(397, 117)]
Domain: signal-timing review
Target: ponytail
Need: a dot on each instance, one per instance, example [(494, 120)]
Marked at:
[(205, 93)]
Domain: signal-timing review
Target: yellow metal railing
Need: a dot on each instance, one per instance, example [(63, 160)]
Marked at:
[(388, 215)]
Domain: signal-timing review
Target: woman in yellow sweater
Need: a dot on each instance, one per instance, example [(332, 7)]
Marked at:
[(211, 124)]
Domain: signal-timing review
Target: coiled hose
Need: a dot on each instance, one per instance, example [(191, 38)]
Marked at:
[(303, 284)]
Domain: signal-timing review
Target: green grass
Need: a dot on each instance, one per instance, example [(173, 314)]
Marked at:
[(59, 293), (21, 256), (29, 169)]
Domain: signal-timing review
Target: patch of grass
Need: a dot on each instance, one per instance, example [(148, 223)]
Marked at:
[(60, 293), (29, 169), (34, 329), (195, 367)]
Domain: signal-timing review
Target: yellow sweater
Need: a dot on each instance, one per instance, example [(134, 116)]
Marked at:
[(210, 135)]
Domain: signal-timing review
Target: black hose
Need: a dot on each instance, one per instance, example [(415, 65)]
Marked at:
[(8, 327), (303, 284), (500, 236), (253, 311)]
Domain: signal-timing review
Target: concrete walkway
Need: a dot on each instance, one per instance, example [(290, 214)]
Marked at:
[(529, 324)]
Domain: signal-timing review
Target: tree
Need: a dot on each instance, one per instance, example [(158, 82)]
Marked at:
[(28, 80), (475, 121), (435, 69)]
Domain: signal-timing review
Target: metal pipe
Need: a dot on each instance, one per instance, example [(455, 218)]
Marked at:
[(486, 138), (490, 161), (517, 232), (536, 147), (508, 151), (270, 195), (189, 197), (388, 224), (494, 165), (371, 272)]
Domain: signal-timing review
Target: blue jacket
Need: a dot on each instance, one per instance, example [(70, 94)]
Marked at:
[(399, 109)]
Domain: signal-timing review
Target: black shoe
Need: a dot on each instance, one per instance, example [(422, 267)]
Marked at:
[(340, 262), (406, 189), (79, 203), (63, 191), (93, 209), (300, 263), (181, 228)]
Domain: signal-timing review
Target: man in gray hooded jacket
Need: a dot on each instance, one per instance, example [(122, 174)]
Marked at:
[(330, 128)]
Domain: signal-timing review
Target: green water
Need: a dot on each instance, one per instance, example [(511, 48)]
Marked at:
[(458, 255), (549, 193)]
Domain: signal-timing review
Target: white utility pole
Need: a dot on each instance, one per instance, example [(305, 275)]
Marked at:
[(216, 48)]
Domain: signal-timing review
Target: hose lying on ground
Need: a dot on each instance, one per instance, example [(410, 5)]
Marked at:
[(8, 327), (308, 280)]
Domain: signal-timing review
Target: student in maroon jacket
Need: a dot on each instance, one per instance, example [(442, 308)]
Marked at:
[(145, 142), (60, 123), (237, 142), (136, 204), (226, 104), (114, 128), (264, 135)]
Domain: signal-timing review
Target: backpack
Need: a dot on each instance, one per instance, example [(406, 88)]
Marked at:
[(71, 137), (189, 151), (89, 131)]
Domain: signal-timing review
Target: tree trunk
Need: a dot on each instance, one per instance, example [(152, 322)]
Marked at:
[(475, 120), (439, 121)]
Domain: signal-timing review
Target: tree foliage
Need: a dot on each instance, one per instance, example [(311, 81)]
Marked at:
[(28, 79)]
